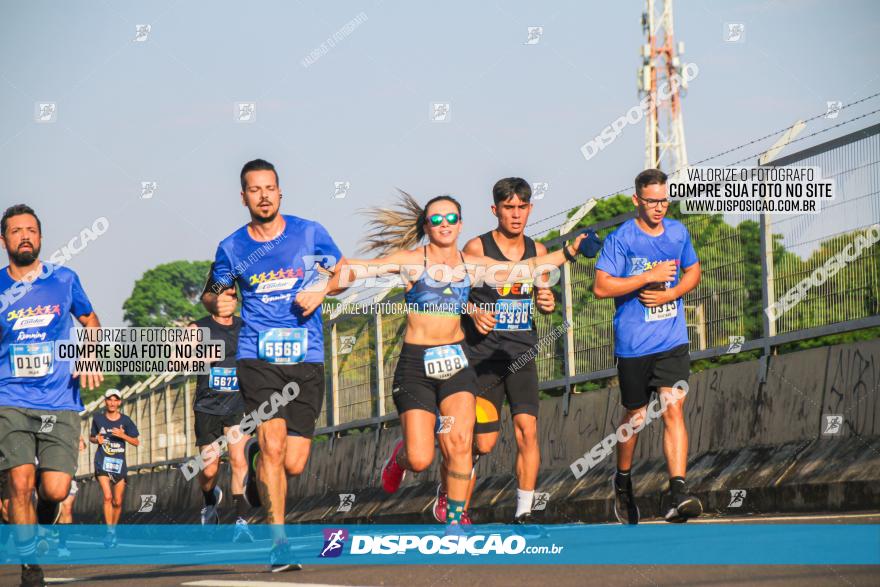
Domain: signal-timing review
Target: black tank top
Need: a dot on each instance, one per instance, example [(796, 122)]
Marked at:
[(220, 401), (500, 345)]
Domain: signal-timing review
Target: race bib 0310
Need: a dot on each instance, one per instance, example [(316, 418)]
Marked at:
[(283, 346), (662, 312)]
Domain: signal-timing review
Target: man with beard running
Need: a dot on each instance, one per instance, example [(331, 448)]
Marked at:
[(284, 266), (39, 396)]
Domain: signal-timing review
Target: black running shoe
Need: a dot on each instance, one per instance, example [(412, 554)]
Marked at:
[(47, 511), (32, 576), (682, 507), (251, 493), (625, 508)]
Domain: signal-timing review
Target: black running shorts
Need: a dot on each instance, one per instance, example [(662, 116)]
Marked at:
[(258, 380), (641, 376), (414, 390), (496, 382), (210, 427)]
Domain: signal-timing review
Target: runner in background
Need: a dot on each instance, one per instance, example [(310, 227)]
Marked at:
[(219, 409), (111, 431)]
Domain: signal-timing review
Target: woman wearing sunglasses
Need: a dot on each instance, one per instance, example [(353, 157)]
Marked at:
[(432, 370)]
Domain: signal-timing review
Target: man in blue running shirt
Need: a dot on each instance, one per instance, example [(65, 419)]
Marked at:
[(39, 396), (284, 266), (639, 267)]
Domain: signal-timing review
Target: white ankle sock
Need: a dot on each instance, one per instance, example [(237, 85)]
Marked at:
[(523, 502)]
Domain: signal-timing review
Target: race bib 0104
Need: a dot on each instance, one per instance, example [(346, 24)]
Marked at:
[(442, 362), (223, 379), (31, 360), (112, 465), (662, 312), (283, 346), (513, 314)]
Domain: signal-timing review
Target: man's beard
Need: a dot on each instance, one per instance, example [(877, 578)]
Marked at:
[(265, 219), (23, 259)]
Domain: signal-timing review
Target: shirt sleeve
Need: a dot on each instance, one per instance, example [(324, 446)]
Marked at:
[(79, 301), (612, 259), (325, 249), (688, 254), (131, 429), (220, 276), (94, 430)]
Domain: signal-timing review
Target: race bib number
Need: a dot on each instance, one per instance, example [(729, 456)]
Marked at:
[(442, 362), (283, 346), (224, 379), (112, 465), (31, 360), (513, 314), (663, 312)]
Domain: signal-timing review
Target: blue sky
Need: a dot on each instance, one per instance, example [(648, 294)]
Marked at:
[(162, 110)]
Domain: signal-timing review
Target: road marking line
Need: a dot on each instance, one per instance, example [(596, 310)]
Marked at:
[(213, 583), (60, 580), (754, 519)]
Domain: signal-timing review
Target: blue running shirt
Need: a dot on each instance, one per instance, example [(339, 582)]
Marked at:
[(270, 274), (30, 377), (630, 251)]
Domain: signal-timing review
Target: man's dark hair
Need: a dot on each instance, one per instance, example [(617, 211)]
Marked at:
[(511, 186), (649, 177), (257, 165), (17, 210)]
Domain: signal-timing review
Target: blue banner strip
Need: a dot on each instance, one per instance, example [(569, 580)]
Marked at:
[(572, 544)]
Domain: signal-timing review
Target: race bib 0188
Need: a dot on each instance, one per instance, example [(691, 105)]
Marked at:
[(442, 362)]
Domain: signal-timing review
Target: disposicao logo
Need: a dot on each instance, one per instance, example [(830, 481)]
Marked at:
[(334, 542)]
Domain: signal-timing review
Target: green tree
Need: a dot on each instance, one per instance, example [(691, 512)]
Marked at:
[(168, 295)]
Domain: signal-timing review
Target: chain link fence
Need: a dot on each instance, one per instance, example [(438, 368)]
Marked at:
[(740, 278)]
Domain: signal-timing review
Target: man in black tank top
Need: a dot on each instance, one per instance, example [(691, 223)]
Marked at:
[(498, 330), (219, 409)]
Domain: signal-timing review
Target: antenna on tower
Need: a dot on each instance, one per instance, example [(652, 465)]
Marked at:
[(662, 82)]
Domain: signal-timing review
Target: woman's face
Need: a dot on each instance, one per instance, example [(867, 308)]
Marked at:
[(444, 234)]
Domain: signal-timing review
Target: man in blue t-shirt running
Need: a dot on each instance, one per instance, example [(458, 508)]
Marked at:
[(284, 266), (639, 267), (39, 396)]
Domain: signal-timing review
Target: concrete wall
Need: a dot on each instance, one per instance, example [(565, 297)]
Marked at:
[(763, 438)]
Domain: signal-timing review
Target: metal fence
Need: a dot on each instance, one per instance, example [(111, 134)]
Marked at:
[(742, 275)]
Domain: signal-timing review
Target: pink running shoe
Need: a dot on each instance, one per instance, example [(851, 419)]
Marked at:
[(465, 519), (440, 506), (392, 473)]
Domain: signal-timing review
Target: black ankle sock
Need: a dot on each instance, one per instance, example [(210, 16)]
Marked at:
[(242, 509), (623, 479), (677, 485), (210, 498)]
